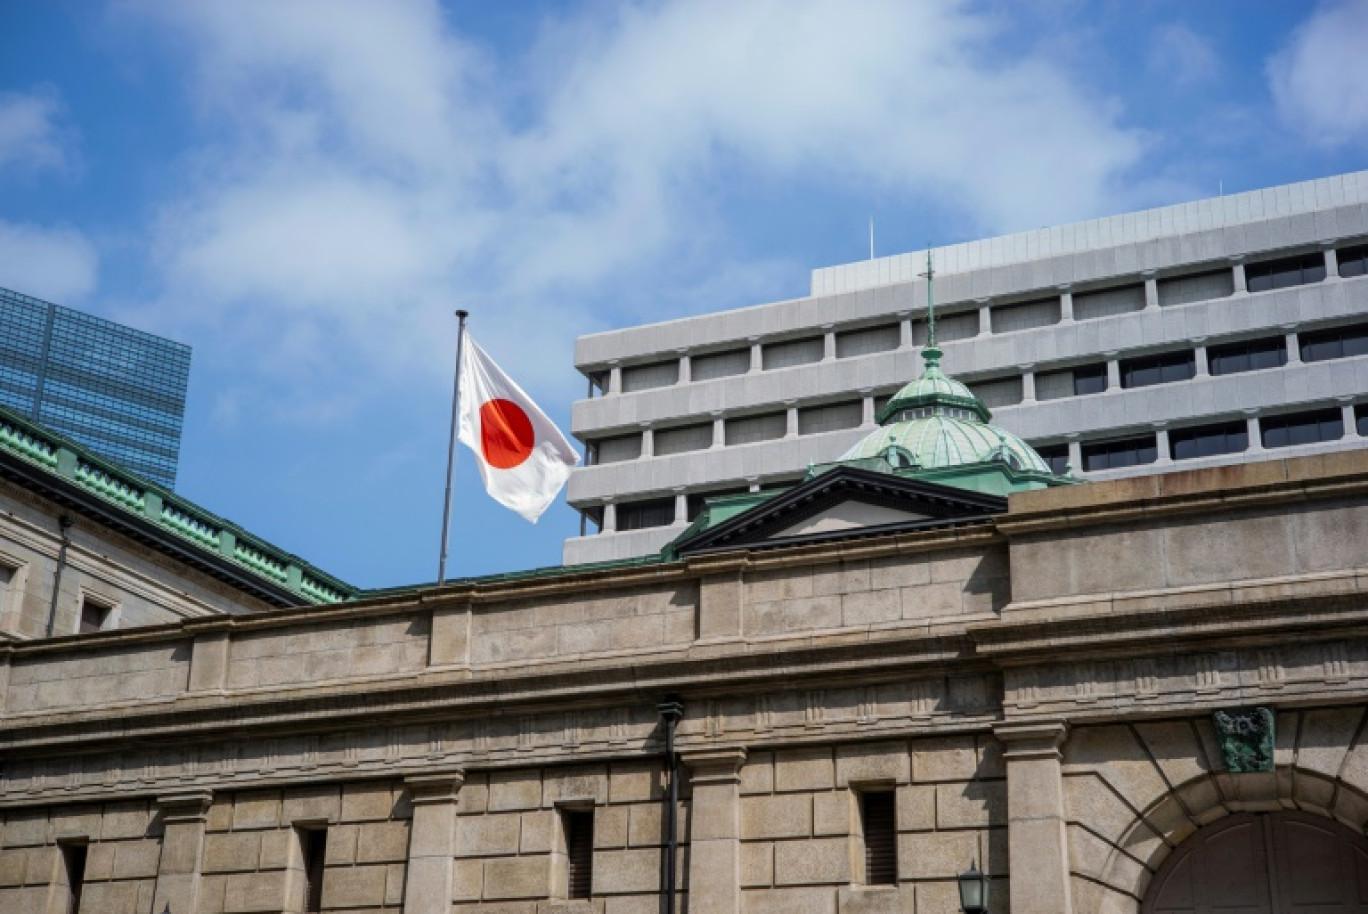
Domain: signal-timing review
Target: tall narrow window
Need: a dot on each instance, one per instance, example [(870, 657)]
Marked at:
[(879, 819), (74, 859), (579, 851), (314, 845)]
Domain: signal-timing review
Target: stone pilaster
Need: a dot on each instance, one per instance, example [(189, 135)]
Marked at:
[(1037, 842), (178, 869), (432, 842), (715, 830)]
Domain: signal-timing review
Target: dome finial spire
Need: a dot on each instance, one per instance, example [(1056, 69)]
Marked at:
[(930, 352)]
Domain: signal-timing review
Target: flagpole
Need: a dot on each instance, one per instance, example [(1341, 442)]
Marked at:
[(451, 446)]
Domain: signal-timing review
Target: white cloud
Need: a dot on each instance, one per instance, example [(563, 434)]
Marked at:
[(31, 135), (1320, 79), (1179, 55), (365, 168), (51, 263)]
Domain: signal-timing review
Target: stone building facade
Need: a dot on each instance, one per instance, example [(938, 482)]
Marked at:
[(1146, 694)]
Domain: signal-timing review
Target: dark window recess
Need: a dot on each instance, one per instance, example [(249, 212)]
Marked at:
[(1123, 452), (1361, 420), (683, 438), (879, 817), (1091, 379), (1302, 428), (793, 352), (752, 429), (93, 616), (1057, 456), (579, 851), (1209, 440), (639, 515), (313, 844), (1158, 369), (1281, 274), (1336, 343), (594, 516), (617, 449), (1251, 355), (1353, 261), (74, 859), (833, 417), (598, 380), (1002, 392), (959, 326)]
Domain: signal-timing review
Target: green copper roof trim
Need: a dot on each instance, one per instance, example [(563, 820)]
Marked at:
[(59, 456), (932, 389), (717, 509)]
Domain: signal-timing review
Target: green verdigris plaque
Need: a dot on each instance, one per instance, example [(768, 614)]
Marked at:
[(1246, 738)]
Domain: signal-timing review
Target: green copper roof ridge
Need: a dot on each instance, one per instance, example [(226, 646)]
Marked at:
[(186, 520)]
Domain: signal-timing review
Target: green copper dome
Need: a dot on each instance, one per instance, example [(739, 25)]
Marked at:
[(936, 422)]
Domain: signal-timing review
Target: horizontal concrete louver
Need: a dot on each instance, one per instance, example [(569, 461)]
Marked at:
[(682, 439), (1001, 392), (793, 352), (750, 429), (867, 341), (1108, 302), (1025, 315), (719, 364), (616, 450), (1183, 290), (832, 417), (949, 327), (648, 377)]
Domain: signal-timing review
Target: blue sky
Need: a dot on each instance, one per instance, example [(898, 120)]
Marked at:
[(304, 191)]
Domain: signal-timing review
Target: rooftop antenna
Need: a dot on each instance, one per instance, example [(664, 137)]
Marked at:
[(871, 236), (930, 275)]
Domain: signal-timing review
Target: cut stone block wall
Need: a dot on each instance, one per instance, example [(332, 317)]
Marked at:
[(135, 673), (800, 824)]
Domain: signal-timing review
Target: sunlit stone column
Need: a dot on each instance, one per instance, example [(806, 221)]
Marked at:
[(715, 830), (1037, 842), (178, 869), (432, 842)]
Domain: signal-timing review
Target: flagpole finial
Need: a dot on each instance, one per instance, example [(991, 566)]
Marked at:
[(930, 275), (462, 313)]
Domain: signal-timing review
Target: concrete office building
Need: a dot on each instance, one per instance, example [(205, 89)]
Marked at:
[(1214, 332), (116, 390)]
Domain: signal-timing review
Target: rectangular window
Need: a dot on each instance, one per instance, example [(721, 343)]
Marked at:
[(1209, 440), (1056, 455), (1024, 316), (1123, 452), (646, 377), (867, 341), (960, 326), (1353, 261), (94, 615), (1158, 369), (1195, 287), (313, 847), (641, 515), (1251, 355), (1285, 272), (618, 449), (1108, 302), (1072, 382), (878, 819), (579, 852), (794, 352), (1002, 392), (1090, 379), (682, 439), (1302, 428), (750, 429), (719, 364), (74, 862), (1335, 343), (1361, 420), (834, 417)]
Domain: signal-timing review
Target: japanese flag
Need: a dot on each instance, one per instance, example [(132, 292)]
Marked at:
[(524, 458)]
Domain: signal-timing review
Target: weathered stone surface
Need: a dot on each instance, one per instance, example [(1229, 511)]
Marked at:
[(872, 763), (944, 759), (819, 860), (484, 836), (518, 789), (520, 877), (779, 816), (803, 769)]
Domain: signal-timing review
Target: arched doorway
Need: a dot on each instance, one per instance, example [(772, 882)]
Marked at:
[(1266, 863)]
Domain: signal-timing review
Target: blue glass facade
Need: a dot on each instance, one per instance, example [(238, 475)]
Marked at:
[(116, 390)]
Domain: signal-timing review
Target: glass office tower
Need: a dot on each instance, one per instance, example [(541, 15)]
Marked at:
[(116, 390)]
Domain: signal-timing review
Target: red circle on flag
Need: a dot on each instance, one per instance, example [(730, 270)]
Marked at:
[(506, 435)]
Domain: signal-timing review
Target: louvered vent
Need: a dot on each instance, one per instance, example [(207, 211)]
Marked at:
[(880, 838), (579, 849)]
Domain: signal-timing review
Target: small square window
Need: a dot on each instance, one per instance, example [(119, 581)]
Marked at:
[(95, 615)]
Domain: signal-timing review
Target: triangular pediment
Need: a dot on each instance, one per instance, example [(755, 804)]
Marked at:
[(842, 503), (849, 515)]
